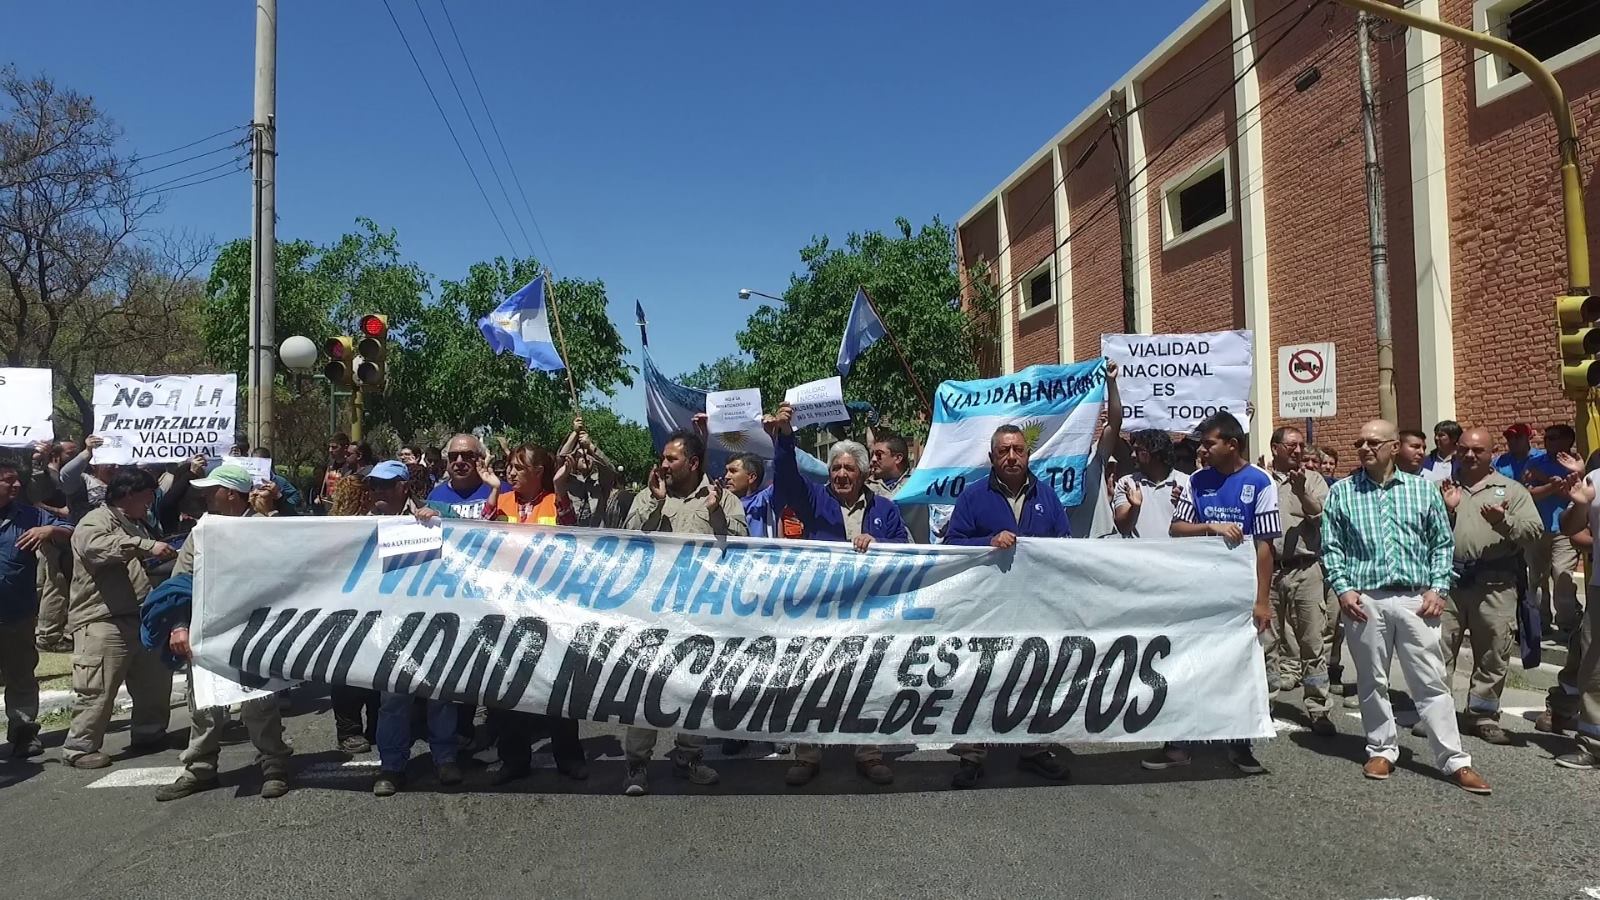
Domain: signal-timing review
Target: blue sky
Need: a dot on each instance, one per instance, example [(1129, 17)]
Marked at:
[(679, 152)]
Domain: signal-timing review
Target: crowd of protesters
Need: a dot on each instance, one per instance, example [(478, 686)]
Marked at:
[(1402, 554)]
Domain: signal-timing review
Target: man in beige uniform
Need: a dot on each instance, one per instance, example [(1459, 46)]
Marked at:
[(681, 500), (229, 492), (1495, 522), (109, 581), (1299, 598)]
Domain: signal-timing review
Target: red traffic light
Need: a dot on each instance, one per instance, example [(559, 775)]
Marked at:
[(338, 348), (374, 325)]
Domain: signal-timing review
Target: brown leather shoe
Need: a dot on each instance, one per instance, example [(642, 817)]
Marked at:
[(1378, 768), (1469, 780), (1550, 723), (1492, 733), (90, 761), (876, 772)]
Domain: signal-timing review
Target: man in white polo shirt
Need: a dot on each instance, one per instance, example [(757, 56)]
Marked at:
[(1142, 502)]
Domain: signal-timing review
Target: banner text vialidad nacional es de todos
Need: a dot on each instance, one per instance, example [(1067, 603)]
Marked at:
[(1074, 640)]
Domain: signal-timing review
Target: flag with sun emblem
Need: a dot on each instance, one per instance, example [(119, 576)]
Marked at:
[(1057, 408), (521, 324)]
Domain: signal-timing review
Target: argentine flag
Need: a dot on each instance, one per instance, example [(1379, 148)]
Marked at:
[(521, 324), (1057, 408), (862, 331)]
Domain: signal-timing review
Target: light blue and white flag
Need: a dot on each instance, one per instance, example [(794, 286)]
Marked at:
[(521, 324), (1057, 408), (862, 331)]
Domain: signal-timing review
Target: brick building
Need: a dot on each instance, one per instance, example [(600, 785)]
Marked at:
[(1241, 147)]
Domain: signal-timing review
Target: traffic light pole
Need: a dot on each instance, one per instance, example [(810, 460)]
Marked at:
[(355, 416), (1577, 231)]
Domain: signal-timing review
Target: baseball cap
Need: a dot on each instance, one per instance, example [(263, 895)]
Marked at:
[(232, 476), (388, 470), (1520, 429)]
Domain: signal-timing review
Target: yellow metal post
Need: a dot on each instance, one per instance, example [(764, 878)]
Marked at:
[(1588, 422)]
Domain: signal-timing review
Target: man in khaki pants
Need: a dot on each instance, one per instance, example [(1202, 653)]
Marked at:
[(26, 531), (109, 547), (1495, 522), (1299, 598), (229, 492)]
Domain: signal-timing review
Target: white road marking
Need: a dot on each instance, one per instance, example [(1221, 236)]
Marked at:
[(1592, 893), (149, 776)]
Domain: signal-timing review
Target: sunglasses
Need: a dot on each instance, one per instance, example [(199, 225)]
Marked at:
[(461, 454), (1374, 443)]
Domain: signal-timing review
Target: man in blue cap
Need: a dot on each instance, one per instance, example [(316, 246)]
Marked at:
[(230, 491)]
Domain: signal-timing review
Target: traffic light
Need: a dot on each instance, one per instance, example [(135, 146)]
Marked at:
[(372, 349), (340, 368), (1580, 341)]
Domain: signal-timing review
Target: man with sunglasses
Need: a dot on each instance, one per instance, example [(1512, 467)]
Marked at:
[(1386, 549), (470, 487)]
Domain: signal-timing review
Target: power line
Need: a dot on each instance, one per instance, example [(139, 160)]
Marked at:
[(450, 128), (549, 257), (229, 146), (493, 169), (160, 189), (232, 128)]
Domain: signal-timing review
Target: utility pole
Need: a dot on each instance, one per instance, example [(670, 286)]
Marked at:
[(1377, 233), (1116, 111), (263, 235)]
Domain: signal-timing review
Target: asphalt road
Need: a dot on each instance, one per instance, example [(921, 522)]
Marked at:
[(1312, 828)]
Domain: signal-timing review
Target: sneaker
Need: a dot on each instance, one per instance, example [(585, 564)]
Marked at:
[(449, 774), (1578, 759), (1166, 758), (355, 745), (801, 773), (1378, 768), (638, 781), (1492, 733), (27, 749), (1046, 765), (967, 776), (96, 760), (1550, 723), (185, 785), (274, 786), (734, 748), (1322, 726), (694, 771), (1469, 780), (1244, 759), (509, 773), (387, 784), (875, 771)]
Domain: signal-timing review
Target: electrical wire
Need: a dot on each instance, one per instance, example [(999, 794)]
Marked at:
[(451, 129)]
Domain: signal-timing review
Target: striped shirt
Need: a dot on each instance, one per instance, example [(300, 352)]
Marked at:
[(1394, 535)]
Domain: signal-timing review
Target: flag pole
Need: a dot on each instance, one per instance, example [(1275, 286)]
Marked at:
[(904, 363), (550, 298)]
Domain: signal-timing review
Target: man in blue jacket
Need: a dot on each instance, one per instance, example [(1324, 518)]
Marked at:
[(25, 532), (842, 510), (1006, 504)]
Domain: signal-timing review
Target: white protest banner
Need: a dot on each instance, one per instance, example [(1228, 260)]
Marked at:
[(163, 418), (26, 402), (733, 421), (260, 469), (1057, 408), (400, 535), (1308, 386), (818, 402), (748, 639), (1172, 381)]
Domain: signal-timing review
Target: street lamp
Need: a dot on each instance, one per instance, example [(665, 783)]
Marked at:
[(298, 353), (746, 294)]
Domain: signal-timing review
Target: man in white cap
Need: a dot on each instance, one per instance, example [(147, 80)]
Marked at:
[(229, 491)]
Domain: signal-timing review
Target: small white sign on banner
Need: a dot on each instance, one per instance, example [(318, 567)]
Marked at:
[(733, 420), (1308, 386), (163, 418), (260, 469), (1172, 381), (400, 535), (25, 407), (818, 402)]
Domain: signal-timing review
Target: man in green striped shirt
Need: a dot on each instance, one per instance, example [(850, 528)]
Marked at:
[(1387, 550)]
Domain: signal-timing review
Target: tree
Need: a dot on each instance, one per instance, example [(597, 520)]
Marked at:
[(912, 279), (80, 292), (727, 373)]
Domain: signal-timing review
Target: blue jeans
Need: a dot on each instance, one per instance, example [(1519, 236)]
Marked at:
[(394, 731)]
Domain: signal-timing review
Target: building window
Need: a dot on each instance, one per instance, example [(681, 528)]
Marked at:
[(1041, 286), (1557, 32), (1197, 201)]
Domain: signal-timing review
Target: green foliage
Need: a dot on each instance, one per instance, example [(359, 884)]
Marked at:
[(727, 373), (912, 279)]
